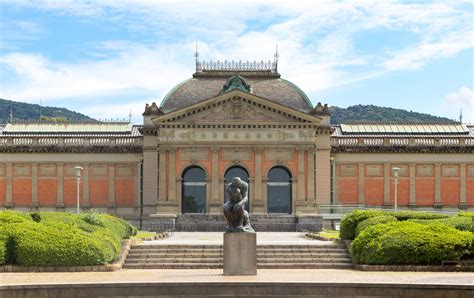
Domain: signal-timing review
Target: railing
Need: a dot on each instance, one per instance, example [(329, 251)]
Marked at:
[(409, 141), (236, 66), (39, 141)]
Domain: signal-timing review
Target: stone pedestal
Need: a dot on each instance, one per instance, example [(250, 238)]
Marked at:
[(240, 254)]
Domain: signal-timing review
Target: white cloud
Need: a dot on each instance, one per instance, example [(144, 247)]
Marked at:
[(462, 99), (316, 40)]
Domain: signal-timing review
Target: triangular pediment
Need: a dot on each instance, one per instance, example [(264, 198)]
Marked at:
[(236, 107)]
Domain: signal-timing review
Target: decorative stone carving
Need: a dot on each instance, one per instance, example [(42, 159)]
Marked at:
[(320, 110), (235, 83), (152, 110)]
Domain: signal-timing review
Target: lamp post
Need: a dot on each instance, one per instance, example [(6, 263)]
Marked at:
[(78, 180), (395, 171)]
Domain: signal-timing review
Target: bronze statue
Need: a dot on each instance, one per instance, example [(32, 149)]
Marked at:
[(234, 209)]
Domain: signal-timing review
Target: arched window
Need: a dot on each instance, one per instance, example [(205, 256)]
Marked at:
[(279, 191), (193, 194), (240, 172)]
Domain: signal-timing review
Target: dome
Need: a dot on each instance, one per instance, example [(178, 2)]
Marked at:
[(202, 87)]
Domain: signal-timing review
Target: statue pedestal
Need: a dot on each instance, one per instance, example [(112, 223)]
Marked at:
[(240, 253)]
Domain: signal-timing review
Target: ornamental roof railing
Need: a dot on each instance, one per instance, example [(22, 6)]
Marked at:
[(260, 66)]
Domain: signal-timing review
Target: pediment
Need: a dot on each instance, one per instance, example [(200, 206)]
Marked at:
[(236, 107)]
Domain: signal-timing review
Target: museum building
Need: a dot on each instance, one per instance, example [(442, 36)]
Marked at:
[(235, 119)]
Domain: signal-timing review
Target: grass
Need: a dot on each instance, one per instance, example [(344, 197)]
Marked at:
[(330, 234), (144, 234)]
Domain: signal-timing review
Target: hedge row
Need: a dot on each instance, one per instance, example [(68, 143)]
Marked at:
[(61, 239), (371, 221), (351, 220), (462, 223), (406, 242)]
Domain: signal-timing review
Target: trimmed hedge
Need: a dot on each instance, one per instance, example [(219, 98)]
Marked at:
[(461, 223), (409, 243), (3, 252), (351, 220), (62, 239), (371, 221)]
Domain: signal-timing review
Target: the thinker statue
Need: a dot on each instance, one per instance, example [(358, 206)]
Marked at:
[(234, 209)]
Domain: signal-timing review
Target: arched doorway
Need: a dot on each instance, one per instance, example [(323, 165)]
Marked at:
[(279, 190), (193, 191), (237, 171)]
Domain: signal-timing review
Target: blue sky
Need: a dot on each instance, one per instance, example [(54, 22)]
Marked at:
[(105, 57)]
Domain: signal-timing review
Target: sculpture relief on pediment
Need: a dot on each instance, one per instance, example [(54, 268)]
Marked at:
[(236, 110)]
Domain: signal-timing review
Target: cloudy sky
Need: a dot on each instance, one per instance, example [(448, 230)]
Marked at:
[(105, 57)]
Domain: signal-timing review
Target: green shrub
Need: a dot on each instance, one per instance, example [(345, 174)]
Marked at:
[(405, 215), (61, 239), (3, 252), (457, 222), (10, 217), (410, 243), (371, 221), (58, 245), (93, 219), (466, 213), (351, 220)]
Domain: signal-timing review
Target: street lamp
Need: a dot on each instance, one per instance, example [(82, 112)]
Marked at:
[(78, 180), (395, 171)]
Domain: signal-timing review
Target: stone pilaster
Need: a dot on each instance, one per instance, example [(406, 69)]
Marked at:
[(265, 195), (172, 175), (34, 185), (9, 186), (462, 186), (361, 187), (437, 185), (258, 205), (111, 200), (311, 181), (137, 188), (60, 189), (386, 184), (162, 176), (412, 199), (323, 176), (85, 186), (215, 206), (335, 189)]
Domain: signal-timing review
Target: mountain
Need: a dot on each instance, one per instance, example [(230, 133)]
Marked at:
[(352, 114), (27, 111), (371, 113)]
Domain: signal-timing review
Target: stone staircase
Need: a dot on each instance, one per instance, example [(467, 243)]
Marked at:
[(174, 256)]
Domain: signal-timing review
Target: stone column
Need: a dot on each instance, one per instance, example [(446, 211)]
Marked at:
[(215, 206), (221, 190), (9, 186), (412, 199), (150, 174), (437, 202), (162, 176), (208, 194), (85, 186), (137, 189), (361, 184), (111, 200), (60, 189), (172, 175), (179, 194), (323, 176), (335, 186), (251, 194), (311, 181), (265, 195), (294, 194), (34, 185), (301, 177), (167, 203), (386, 184), (462, 186), (258, 205)]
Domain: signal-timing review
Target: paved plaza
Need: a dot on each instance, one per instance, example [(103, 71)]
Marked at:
[(215, 238), (215, 275)]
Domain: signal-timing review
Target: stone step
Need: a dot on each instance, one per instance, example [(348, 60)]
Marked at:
[(265, 246), (220, 266), (259, 261), (305, 266), (213, 255)]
